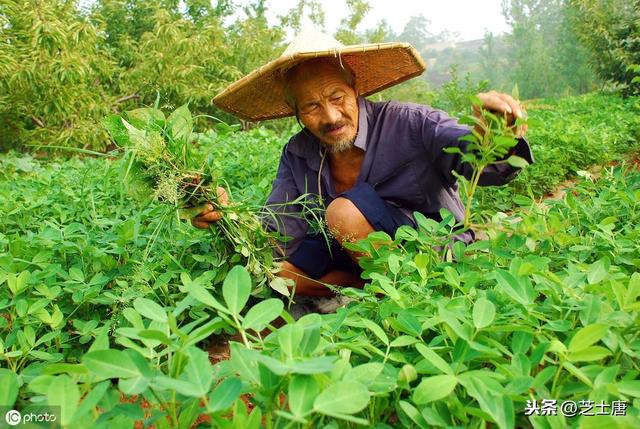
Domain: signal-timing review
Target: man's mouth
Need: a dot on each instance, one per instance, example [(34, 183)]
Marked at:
[(336, 129)]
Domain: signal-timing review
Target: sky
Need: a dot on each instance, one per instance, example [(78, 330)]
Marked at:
[(469, 18)]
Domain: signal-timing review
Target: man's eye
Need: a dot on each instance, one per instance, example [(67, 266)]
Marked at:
[(310, 109), (337, 99)]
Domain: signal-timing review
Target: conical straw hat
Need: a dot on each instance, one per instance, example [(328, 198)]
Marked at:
[(259, 95)]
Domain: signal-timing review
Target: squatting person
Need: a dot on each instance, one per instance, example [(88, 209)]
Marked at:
[(370, 164)]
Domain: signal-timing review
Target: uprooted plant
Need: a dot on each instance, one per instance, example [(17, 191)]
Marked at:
[(161, 159)]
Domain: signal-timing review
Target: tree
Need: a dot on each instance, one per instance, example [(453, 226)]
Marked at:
[(611, 31), (304, 9), (540, 44), (347, 32), (54, 75)]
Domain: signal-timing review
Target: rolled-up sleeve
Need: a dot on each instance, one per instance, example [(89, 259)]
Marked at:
[(281, 214), (439, 131)]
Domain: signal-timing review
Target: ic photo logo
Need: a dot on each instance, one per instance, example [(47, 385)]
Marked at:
[(13, 417)]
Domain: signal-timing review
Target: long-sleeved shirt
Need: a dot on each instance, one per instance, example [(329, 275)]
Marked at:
[(404, 162)]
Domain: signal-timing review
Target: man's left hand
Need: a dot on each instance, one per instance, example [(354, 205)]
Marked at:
[(503, 105)]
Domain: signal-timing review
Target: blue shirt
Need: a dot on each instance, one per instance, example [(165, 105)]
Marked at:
[(404, 162)]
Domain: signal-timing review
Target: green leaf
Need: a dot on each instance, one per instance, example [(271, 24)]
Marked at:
[(9, 386), (110, 364), (150, 309), (516, 161), (433, 358), (516, 288), (133, 386), (180, 124), (116, 129), (587, 336), (146, 118), (303, 390), (236, 289), (289, 338), (224, 395), (377, 330), (409, 324), (245, 362), (314, 365), (483, 313), (433, 388), (199, 371), (589, 354), (578, 373), (403, 341), (498, 406), (633, 290), (279, 284), (180, 386), (262, 313), (343, 397), (598, 271), (63, 392), (365, 373), (629, 387), (202, 295), (414, 414), (90, 401), (152, 334)]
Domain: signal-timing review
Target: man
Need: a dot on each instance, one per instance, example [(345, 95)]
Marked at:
[(369, 165)]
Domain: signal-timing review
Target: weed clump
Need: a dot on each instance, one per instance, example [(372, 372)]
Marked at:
[(160, 159)]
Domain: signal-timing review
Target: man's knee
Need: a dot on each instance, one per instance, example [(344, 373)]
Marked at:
[(345, 221)]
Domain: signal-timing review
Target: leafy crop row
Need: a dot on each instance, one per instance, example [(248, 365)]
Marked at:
[(105, 314)]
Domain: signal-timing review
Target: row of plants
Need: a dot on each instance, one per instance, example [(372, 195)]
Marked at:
[(546, 308), (102, 287)]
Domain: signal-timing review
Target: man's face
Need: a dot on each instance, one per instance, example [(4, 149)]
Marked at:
[(327, 105)]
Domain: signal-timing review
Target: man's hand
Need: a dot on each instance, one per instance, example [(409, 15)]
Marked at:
[(503, 105), (208, 216)]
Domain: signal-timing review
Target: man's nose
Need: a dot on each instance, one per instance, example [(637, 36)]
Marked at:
[(331, 114)]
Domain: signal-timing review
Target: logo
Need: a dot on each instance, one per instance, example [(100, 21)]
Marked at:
[(13, 417)]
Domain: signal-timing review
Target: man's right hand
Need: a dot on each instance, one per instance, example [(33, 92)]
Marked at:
[(208, 215)]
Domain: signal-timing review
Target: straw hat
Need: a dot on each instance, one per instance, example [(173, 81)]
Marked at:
[(259, 95)]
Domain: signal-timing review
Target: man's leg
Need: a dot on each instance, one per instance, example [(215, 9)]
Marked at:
[(305, 285), (350, 217), (347, 224)]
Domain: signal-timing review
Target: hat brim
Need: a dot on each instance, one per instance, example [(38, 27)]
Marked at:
[(260, 95)]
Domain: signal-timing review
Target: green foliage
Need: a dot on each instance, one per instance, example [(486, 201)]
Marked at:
[(489, 143), (63, 68), (566, 141), (611, 31), (545, 56), (54, 73), (104, 312), (453, 97), (422, 345), (347, 33), (159, 160)]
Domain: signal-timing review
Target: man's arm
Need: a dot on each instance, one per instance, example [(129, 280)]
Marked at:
[(440, 131)]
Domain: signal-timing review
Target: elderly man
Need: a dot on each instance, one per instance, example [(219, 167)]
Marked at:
[(368, 165)]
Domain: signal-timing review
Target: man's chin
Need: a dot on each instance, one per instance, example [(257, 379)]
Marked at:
[(339, 146)]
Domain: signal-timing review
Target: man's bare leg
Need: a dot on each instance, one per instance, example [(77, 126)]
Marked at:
[(310, 287), (347, 224)]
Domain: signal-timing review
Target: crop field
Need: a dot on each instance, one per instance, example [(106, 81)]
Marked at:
[(111, 305)]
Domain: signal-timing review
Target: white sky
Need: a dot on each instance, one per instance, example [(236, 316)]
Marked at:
[(469, 18)]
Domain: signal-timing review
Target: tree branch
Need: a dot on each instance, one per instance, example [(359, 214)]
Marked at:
[(127, 98)]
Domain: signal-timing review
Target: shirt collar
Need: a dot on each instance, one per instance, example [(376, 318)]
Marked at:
[(363, 125)]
